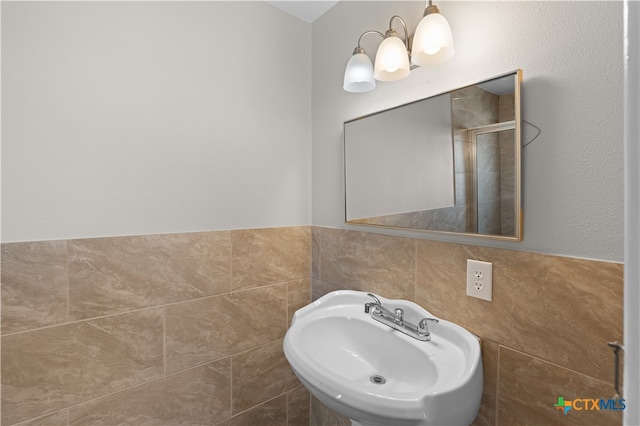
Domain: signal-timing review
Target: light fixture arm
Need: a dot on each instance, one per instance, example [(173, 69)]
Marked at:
[(404, 28), (359, 48)]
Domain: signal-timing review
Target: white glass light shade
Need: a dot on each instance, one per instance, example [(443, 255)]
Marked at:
[(433, 41), (392, 60), (358, 76)]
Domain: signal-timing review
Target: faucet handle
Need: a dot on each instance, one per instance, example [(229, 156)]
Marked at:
[(423, 328), (399, 312)]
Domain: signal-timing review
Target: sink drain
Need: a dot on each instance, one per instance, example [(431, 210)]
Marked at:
[(377, 380)]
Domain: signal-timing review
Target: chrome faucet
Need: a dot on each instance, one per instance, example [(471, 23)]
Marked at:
[(396, 319), (377, 302)]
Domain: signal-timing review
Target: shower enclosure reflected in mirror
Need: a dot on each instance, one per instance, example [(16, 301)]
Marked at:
[(448, 163)]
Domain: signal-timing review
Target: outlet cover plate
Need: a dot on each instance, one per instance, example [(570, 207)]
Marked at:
[(480, 279)]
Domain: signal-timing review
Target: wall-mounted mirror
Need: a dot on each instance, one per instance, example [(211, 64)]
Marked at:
[(448, 163)]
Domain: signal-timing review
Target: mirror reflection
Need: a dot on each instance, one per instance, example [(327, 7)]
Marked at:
[(449, 163)]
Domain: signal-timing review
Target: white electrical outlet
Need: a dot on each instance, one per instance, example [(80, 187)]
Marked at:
[(479, 279)]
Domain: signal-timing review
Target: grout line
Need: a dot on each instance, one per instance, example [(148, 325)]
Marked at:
[(320, 248), (230, 262), (41, 416), (164, 305), (231, 385), (150, 307), (91, 319), (286, 307), (415, 273), (228, 355), (68, 281), (240, 352), (164, 341), (106, 395), (310, 273), (1, 304), (286, 414), (273, 284), (497, 405), (285, 393), (552, 363)]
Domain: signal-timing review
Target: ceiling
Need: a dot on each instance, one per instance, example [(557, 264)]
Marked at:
[(307, 10)]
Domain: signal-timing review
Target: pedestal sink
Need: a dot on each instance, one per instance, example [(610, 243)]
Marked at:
[(376, 375)]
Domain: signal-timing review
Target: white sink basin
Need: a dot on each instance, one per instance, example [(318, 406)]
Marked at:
[(376, 375)]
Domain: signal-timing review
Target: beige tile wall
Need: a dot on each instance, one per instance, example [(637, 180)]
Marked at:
[(182, 329), (187, 329), (544, 335)]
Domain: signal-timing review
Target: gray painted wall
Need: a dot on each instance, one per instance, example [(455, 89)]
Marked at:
[(123, 118), (571, 57)]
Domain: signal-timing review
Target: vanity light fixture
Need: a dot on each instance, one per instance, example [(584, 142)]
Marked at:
[(358, 76), (433, 41), (392, 58), (432, 44)]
